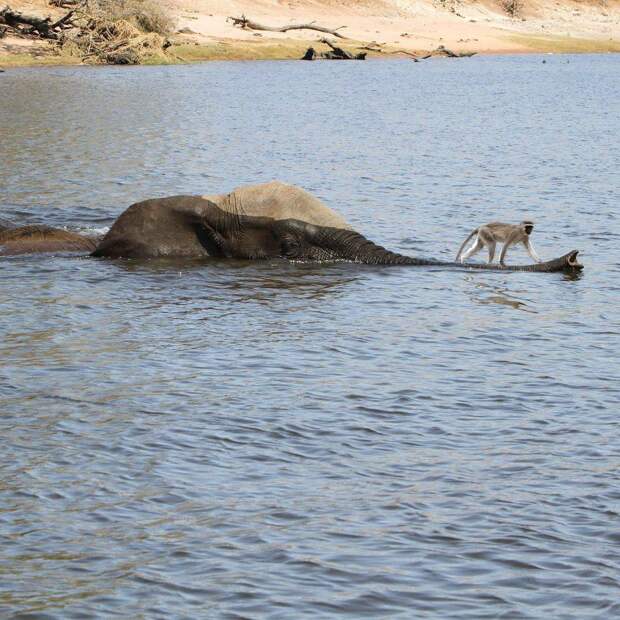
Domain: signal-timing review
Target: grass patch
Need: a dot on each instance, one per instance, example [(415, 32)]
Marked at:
[(35, 58), (565, 45), (231, 49)]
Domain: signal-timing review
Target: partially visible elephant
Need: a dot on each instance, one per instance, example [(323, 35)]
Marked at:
[(261, 221), (258, 221), (5, 224), (40, 238)]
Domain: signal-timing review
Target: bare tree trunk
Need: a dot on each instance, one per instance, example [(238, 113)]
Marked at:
[(248, 24)]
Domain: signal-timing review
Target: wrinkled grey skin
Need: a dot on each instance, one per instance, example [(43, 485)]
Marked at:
[(261, 221)]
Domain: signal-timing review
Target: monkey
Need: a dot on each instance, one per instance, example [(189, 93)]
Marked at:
[(494, 232)]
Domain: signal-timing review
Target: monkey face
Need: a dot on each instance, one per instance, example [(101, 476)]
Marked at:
[(529, 227)]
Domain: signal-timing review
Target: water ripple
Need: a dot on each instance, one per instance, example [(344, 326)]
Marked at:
[(225, 439)]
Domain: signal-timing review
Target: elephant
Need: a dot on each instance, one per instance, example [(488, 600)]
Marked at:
[(261, 221), (36, 238), (5, 224), (270, 220)]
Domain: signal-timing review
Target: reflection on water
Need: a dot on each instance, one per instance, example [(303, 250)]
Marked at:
[(244, 439), (499, 295)]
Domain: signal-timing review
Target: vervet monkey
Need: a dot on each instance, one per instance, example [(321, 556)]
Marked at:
[(497, 232)]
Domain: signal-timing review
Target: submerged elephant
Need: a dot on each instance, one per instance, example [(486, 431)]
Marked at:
[(40, 238), (260, 221)]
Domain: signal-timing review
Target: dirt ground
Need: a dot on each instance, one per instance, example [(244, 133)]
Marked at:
[(412, 25)]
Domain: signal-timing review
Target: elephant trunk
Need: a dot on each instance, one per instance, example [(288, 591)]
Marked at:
[(567, 262), (352, 246)]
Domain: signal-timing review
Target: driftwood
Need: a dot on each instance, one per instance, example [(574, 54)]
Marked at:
[(335, 53), (87, 33), (248, 24), (442, 51), (43, 27), (376, 47)]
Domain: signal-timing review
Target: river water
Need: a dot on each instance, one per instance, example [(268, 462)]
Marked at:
[(230, 439)]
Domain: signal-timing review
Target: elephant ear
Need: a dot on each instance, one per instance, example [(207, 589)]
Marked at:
[(293, 236)]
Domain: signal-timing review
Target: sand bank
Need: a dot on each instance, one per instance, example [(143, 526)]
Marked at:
[(417, 26)]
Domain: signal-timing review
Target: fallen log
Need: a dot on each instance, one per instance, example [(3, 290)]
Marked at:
[(337, 53), (376, 47), (443, 51), (44, 27), (247, 24), (66, 3)]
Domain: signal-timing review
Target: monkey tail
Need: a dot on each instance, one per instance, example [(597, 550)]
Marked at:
[(458, 254)]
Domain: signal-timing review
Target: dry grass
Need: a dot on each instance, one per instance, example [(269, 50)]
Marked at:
[(514, 8), (147, 15), (565, 45), (29, 59), (266, 49), (127, 32)]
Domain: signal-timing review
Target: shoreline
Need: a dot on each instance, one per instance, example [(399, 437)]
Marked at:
[(185, 53), (204, 31)]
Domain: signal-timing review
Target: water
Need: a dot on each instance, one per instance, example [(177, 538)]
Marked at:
[(230, 439)]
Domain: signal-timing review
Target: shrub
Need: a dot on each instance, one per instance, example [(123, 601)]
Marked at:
[(513, 7), (147, 15)]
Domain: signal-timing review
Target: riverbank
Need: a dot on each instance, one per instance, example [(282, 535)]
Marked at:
[(205, 32)]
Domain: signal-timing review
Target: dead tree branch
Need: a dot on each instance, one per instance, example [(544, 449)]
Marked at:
[(376, 47), (248, 24), (66, 3), (87, 33), (43, 27), (335, 53), (16, 20), (442, 51)]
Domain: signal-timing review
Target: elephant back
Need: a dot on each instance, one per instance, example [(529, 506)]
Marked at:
[(279, 201), (5, 224), (40, 238)]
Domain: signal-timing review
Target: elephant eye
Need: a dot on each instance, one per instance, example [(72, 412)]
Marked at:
[(290, 246)]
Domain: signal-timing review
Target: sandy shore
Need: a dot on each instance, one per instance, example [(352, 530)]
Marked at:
[(410, 25)]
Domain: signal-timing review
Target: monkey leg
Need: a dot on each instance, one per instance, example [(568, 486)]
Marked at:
[(476, 246), (491, 247)]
